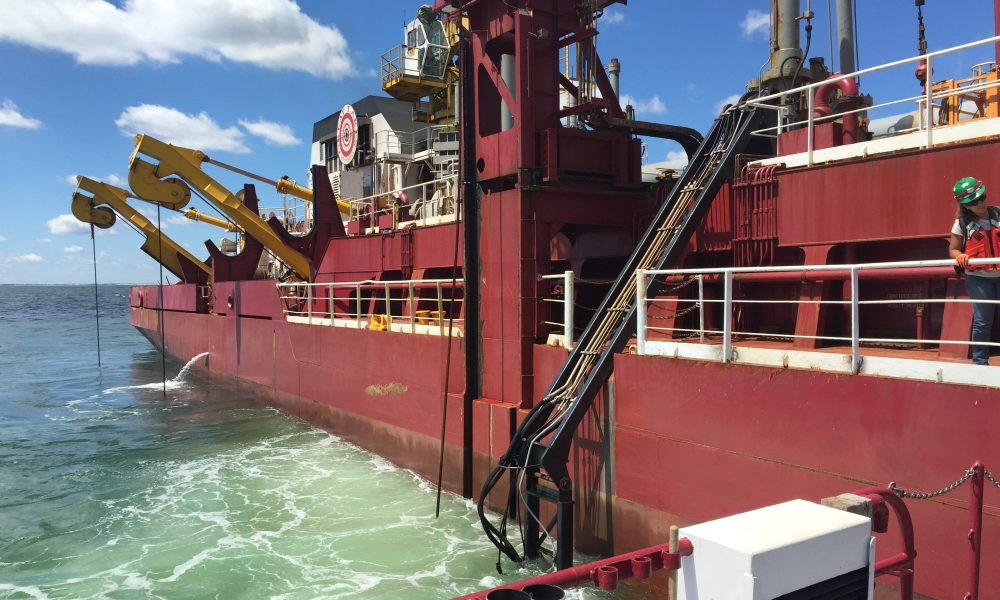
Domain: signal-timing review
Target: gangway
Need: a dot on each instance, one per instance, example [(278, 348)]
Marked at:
[(542, 440), (158, 245)]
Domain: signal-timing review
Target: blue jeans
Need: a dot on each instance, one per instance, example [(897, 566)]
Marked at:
[(982, 288)]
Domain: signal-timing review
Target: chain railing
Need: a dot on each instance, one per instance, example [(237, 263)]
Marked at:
[(422, 306), (852, 301), (978, 474)]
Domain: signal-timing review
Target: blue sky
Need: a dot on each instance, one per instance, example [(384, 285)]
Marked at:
[(245, 80)]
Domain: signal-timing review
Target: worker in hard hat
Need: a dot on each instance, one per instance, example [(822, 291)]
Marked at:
[(976, 234)]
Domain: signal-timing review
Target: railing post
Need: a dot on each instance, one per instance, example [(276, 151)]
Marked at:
[(810, 129), (569, 299), (331, 305), (929, 101), (388, 307), (413, 308), (309, 302), (640, 311), (975, 528), (440, 311), (855, 322), (358, 304), (727, 316), (701, 307)]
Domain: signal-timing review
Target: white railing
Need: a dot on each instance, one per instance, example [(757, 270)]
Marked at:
[(851, 299), (568, 301), (429, 207), (925, 102), (388, 141), (401, 300)]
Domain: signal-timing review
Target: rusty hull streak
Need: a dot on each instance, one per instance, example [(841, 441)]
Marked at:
[(384, 389)]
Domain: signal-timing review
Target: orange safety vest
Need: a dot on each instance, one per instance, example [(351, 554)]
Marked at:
[(980, 243)]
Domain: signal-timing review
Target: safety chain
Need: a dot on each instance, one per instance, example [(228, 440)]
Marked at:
[(683, 284), (992, 479), (677, 313), (920, 496)]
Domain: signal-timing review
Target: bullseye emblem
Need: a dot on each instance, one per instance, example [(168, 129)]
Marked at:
[(347, 134)]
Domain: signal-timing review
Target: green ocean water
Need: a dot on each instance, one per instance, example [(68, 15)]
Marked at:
[(111, 488)]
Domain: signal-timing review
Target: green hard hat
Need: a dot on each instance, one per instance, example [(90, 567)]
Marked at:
[(968, 189)]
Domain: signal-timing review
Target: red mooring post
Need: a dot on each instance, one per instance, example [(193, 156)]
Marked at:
[(975, 527)]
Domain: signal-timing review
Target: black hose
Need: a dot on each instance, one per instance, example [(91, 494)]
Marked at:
[(447, 366), (163, 326), (805, 55), (97, 306)]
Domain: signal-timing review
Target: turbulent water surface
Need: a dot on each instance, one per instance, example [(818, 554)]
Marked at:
[(111, 487)]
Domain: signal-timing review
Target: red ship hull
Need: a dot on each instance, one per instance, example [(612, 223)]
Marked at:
[(724, 439)]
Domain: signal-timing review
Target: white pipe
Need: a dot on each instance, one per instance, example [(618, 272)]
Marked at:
[(569, 299)]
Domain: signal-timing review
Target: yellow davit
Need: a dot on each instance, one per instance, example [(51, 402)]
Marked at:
[(154, 182), (92, 209)]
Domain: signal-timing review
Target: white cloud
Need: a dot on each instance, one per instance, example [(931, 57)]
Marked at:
[(3, 238), (676, 160), (72, 249), (273, 133), (756, 22), (610, 17), (653, 106), (731, 99), (273, 34), (179, 220), (66, 225), (43, 240), (9, 114), (171, 125), (112, 179), (22, 258)]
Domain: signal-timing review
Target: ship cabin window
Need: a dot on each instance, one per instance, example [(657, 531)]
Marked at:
[(365, 137), (328, 155)]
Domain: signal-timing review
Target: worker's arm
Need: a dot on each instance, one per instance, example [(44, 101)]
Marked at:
[(956, 250)]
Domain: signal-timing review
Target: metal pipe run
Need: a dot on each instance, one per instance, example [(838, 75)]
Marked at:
[(834, 275), (605, 573)]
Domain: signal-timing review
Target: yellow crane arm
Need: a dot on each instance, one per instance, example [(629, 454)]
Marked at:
[(153, 182), (195, 215), (283, 185), (89, 209)]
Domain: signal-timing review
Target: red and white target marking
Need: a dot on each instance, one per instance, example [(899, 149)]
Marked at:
[(347, 134)]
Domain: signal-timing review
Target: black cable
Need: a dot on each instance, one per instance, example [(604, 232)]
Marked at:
[(447, 364), (163, 335), (97, 306), (805, 55)]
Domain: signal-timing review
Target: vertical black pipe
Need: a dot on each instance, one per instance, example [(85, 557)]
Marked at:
[(470, 220)]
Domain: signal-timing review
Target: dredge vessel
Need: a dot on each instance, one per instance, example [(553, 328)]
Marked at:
[(797, 333)]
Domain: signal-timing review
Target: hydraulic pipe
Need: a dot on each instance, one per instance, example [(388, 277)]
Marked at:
[(195, 215), (845, 37), (625, 566)]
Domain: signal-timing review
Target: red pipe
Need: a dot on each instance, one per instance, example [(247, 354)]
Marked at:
[(900, 565), (605, 572), (821, 106), (975, 528)]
